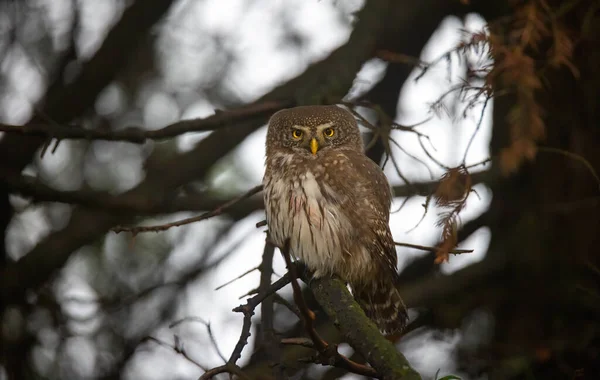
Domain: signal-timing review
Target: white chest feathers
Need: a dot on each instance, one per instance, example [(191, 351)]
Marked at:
[(318, 230)]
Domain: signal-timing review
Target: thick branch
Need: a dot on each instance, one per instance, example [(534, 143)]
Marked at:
[(139, 135), (361, 332), (27, 186), (427, 188), (426, 292), (328, 353)]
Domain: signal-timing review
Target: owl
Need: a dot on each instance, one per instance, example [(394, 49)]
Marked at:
[(332, 202)]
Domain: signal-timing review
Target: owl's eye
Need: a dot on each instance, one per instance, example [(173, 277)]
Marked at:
[(296, 133), (329, 132)]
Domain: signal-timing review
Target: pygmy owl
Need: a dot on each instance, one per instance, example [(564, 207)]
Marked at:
[(324, 194)]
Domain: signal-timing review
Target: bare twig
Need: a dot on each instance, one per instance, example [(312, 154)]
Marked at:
[(479, 123), (432, 249), (428, 154), (390, 138), (260, 224), (227, 368), (218, 211), (237, 278), (258, 298), (304, 342), (291, 307), (177, 347), (211, 336)]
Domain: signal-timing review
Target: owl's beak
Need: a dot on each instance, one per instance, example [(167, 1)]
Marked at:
[(314, 146)]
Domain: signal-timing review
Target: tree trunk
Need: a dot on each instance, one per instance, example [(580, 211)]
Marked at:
[(547, 226)]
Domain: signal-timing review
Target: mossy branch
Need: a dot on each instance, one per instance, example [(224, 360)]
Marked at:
[(360, 331)]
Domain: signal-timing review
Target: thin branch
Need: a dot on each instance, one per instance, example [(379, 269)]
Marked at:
[(139, 135), (303, 342), (428, 154), (411, 155), (479, 123), (267, 313), (227, 368), (244, 335), (177, 347), (237, 278), (248, 311), (218, 211), (211, 336), (307, 315), (257, 299), (432, 249), (288, 305), (388, 148)]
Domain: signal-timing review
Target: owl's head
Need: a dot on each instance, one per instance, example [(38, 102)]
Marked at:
[(312, 130)]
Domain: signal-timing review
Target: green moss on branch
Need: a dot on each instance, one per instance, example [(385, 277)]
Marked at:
[(360, 331)]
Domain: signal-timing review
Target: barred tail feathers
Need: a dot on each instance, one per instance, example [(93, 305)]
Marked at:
[(384, 306)]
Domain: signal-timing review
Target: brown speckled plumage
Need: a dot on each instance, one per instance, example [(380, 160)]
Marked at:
[(334, 206)]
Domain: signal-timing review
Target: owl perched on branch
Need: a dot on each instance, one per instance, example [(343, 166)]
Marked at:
[(323, 193)]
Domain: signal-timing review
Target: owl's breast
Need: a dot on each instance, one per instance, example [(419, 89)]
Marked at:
[(299, 207)]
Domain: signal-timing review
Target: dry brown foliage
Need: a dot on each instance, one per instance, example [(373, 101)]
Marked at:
[(508, 64), (534, 28), (451, 195)]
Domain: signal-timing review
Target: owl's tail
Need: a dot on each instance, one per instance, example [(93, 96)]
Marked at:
[(383, 305)]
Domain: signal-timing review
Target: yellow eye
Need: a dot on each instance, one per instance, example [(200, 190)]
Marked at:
[(329, 132), (296, 133)]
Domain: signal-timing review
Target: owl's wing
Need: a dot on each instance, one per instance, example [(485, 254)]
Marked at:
[(367, 199)]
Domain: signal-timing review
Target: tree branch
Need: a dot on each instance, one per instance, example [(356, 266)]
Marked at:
[(177, 347), (207, 215), (269, 339), (139, 135), (328, 354), (248, 311), (30, 187), (427, 291), (361, 332)]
